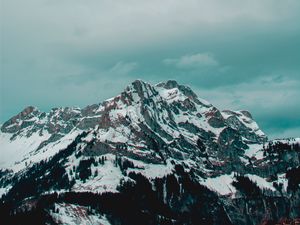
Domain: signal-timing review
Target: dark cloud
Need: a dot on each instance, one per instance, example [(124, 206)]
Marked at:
[(235, 54)]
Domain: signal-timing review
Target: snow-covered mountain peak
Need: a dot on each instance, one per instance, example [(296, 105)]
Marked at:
[(162, 137), (172, 84), (244, 121), (143, 116), (26, 116), (168, 84)]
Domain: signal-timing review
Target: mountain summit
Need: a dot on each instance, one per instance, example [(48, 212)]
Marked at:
[(175, 149), (167, 113)]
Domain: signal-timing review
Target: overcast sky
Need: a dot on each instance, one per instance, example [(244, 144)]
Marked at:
[(236, 54)]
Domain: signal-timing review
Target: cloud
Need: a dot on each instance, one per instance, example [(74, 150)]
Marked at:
[(123, 68), (110, 25), (192, 61), (119, 70), (64, 52), (92, 85)]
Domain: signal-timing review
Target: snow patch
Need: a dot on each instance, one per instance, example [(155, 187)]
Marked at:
[(221, 184), (261, 182), (107, 180), (4, 190), (70, 214), (255, 150), (152, 171)]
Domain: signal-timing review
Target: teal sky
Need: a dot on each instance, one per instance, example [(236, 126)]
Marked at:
[(235, 54)]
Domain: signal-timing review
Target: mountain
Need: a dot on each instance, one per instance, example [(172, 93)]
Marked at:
[(154, 154)]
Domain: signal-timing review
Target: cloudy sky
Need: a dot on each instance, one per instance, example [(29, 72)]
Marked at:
[(236, 54)]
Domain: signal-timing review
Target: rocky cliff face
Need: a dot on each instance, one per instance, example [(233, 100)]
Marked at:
[(151, 131)]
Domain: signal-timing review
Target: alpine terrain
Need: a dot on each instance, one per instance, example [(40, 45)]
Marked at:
[(154, 154)]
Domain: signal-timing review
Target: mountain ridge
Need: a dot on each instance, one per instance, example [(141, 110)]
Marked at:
[(61, 121), (155, 131)]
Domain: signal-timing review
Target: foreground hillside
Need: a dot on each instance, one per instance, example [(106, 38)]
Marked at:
[(155, 154)]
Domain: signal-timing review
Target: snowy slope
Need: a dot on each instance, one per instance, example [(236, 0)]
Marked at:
[(13, 150), (69, 214)]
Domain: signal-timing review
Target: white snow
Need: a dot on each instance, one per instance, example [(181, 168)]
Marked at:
[(171, 95), (255, 150), (288, 140), (201, 123), (152, 170), (52, 148), (107, 180), (282, 179), (261, 182), (22, 151), (114, 135), (248, 122), (226, 114), (245, 161), (13, 151), (70, 214), (110, 175), (4, 190), (221, 184)]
